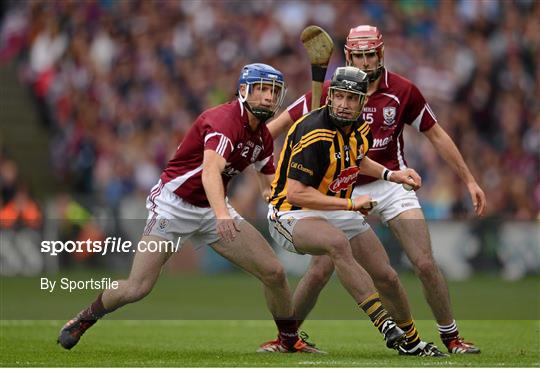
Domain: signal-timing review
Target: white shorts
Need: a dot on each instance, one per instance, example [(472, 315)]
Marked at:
[(392, 199), (281, 223), (170, 217)]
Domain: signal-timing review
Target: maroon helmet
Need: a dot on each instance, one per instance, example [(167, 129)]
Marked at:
[(362, 40)]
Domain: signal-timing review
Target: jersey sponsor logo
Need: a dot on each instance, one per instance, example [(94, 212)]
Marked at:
[(346, 178), (300, 167), (389, 115), (381, 142)]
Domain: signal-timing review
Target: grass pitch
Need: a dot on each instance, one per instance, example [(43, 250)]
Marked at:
[(225, 319), (232, 343)]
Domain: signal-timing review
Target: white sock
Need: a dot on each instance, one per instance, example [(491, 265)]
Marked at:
[(447, 329)]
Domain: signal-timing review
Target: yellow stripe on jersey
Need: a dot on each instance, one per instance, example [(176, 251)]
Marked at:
[(313, 133), (329, 175), (336, 159), (283, 173), (313, 140), (364, 130), (353, 143), (293, 127)]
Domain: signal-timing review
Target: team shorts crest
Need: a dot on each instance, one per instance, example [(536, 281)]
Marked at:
[(281, 223), (170, 217)]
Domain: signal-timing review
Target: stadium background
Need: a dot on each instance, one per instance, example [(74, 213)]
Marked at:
[(96, 95)]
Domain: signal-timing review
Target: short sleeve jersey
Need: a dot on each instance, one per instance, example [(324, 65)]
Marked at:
[(320, 155), (396, 102), (224, 129)]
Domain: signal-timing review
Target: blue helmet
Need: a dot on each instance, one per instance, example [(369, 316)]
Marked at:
[(259, 73)]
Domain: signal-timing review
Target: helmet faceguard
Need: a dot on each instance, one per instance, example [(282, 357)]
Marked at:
[(350, 80), (264, 78), (363, 40)]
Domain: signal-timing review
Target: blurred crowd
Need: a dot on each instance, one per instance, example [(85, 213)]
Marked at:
[(118, 83)]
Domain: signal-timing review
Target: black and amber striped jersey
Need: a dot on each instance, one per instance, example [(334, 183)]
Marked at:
[(319, 154)]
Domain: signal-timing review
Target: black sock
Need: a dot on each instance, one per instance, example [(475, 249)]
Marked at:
[(413, 338), (375, 310)]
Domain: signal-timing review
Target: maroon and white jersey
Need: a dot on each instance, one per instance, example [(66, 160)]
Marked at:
[(224, 129), (396, 102)]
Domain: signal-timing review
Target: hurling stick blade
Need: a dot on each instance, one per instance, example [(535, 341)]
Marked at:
[(319, 46)]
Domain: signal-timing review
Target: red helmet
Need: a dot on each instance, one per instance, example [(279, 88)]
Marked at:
[(364, 39)]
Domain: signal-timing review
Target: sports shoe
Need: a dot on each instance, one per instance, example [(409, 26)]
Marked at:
[(272, 346), (302, 345), (393, 335), (459, 346), (423, 349), (71, 332)]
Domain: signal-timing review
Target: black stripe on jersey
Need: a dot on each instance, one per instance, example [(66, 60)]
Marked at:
[(347, 160), (338, 164), (282, 176), (360, 136)]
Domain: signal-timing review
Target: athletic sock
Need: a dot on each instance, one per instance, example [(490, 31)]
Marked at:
[(288, 331), (374, 309), (448, 332), (413, 338), (95, 311)]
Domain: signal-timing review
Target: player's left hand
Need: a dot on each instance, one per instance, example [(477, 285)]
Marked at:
[(407, 177), (478, 198), (227, 229)]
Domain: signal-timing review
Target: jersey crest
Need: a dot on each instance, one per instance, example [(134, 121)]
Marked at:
[(256, 151), (389, 115)]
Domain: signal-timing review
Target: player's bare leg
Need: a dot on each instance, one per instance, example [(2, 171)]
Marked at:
[(411, 230), (370, 253), (251, 252), (333, 242), (144, 273), (310, 286)]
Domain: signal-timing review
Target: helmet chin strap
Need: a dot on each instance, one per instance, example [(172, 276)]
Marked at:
[(261, 114), (338, 121)]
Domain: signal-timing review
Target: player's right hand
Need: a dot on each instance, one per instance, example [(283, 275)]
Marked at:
[(227, 228), (363, 204)]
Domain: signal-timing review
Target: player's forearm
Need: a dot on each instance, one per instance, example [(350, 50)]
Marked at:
[(280, 125), (308, 197), (450, 153), (215, 193), (370, 168)]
